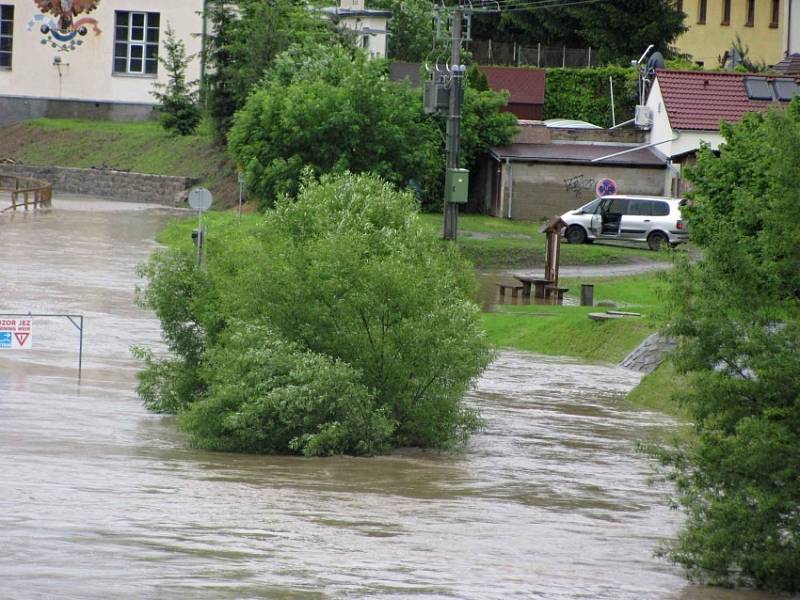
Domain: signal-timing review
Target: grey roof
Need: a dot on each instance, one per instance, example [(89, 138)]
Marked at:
[(578, 153)]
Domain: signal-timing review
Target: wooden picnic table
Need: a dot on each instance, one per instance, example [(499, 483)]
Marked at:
[(539, 285)]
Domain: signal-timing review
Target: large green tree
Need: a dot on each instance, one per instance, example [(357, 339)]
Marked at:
[(244, 38), (337, 323), (737, 312), (618, 31)]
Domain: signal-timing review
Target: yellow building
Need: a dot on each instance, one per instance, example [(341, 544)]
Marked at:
[(762, 25)]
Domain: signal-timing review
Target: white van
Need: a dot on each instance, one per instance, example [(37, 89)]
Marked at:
[(650, 219)]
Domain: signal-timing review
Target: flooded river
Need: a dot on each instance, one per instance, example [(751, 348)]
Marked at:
[(100, 499)]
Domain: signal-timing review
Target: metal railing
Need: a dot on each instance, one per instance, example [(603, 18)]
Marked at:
[(26, 192), (488, 52)]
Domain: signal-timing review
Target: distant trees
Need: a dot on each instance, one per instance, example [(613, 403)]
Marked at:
[(737, 312), (244, 38), (339, 324), (618, 31), (331, 110)]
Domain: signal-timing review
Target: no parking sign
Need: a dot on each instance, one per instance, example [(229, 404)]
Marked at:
[(605, 187)]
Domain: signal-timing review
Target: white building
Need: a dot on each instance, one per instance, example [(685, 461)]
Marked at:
[(103, 64), (368, 25)]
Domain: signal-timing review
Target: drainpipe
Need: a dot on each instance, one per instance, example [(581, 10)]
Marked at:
[(789, 28), (510, 186), (203, 54)]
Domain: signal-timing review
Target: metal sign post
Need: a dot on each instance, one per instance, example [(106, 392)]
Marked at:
[(16, 332), (242, 178), (201, 200)]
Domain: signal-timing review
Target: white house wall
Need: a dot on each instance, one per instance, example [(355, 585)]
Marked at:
[(87, 70), (373, 43)]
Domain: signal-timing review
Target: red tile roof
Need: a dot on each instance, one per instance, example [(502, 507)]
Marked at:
[(701, 99), (525, 86)]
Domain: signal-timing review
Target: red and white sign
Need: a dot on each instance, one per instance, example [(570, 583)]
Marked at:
[(16, 334)]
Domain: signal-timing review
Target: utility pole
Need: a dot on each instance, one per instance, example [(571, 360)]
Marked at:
[(454, 120)]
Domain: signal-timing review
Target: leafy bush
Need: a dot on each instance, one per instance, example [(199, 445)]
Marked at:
[(584, 94), (738, 314), (345, 281), (269, 395)]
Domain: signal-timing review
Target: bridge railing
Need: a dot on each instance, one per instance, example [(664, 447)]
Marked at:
[(26, 192)]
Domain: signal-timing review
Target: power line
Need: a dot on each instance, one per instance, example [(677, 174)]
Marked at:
[(498, 6)]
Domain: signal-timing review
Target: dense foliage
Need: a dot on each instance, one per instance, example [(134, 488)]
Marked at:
[(585, 94), (617, 32), (738, 313), (411, 29), (339, 324), (179, 112), (330, 109), (244, 38)]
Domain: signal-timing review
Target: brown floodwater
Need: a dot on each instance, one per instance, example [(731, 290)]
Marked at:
[(100, 499)]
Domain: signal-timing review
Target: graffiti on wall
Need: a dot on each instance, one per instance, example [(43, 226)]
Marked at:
[(59, 24), (578, 185)]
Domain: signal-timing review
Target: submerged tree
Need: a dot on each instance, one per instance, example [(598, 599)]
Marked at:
[(737, 312), (339, 324)]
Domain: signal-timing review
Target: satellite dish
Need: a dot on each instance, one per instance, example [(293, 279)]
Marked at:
[(656, 61)]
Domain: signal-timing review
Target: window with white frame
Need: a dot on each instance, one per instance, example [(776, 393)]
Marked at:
[(6, 35), (136, 36)]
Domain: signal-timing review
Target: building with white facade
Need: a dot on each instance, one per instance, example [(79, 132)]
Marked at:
[(101, 63), (367, 24)]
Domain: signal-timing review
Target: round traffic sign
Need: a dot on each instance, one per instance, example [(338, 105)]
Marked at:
[(200, 199), (606, 187)]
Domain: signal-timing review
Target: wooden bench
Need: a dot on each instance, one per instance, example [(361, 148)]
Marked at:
[(514, 287)]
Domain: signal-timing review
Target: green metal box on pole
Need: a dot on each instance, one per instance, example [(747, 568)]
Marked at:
[(456, 184)]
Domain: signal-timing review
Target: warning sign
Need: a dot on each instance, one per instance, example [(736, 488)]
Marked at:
[(16, 334)]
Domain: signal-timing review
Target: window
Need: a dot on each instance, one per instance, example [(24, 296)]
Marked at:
[(776, 13), (726, 12), (6, 35), (679, 5), (751, 13), (702, 8), (617, 206), (660, 209), (136, 43), (640, 208), (757, 88)]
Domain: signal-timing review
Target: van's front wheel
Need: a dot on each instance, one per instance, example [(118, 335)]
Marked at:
[(575, 234), (656, 240)]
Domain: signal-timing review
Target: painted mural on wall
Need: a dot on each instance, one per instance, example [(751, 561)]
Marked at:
[(60, 26)]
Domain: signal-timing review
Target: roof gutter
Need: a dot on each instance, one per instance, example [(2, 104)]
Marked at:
[(602, 158)]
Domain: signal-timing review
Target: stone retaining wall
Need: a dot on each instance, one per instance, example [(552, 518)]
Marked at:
[(649, 354), (116, 185)]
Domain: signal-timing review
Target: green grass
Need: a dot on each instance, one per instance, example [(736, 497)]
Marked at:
[(142, 147), (656, 389), (567, 330), (492, 243)]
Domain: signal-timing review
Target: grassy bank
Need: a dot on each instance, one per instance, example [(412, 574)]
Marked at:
[(142, 147), (567, 330)]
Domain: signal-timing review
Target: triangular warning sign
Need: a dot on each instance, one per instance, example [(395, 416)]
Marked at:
[(22, 338)]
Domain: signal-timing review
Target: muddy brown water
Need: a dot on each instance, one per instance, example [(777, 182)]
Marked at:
[(100, 499)]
